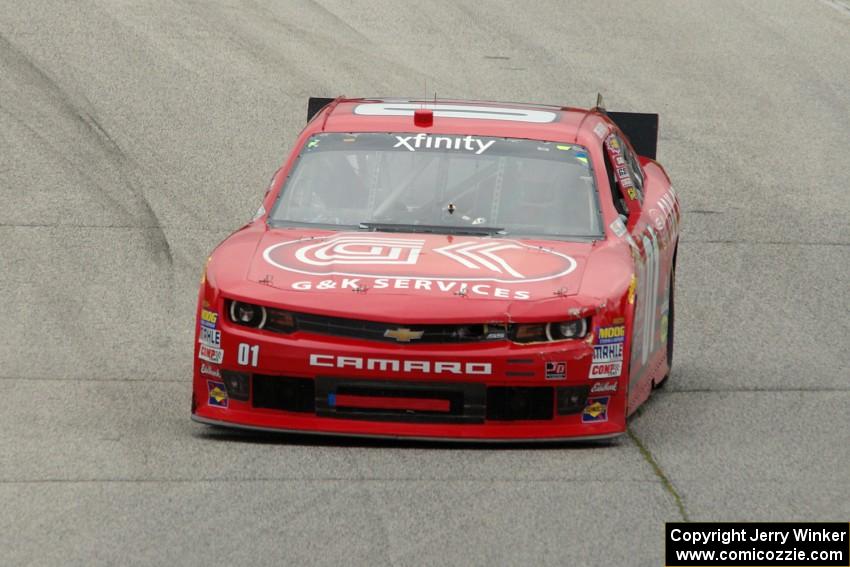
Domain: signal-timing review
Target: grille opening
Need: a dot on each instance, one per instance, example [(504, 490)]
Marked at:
[(415, 402), (520, 403), (284, 393), (375, 331), (350, 391), (572, 399)]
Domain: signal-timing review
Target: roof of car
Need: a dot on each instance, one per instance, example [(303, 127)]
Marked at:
[(485, 118)]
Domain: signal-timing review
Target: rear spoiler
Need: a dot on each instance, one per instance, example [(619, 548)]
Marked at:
[(315, 104), (640, 129)]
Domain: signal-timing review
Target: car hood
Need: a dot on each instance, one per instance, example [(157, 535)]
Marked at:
[(376, 272)]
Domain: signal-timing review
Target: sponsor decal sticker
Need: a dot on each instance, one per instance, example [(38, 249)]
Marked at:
[(472, 267), (209, 319), (604, 386), (596, 410), (618, 227), (210, 370), (217, 394), (609, 335), (605, 370), (210, 354), (460, 143), (632, 288), (556, 370), (608, 353), (600, 130), (210, 337)]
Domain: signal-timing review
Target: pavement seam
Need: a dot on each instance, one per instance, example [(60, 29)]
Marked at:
[(659, 472)]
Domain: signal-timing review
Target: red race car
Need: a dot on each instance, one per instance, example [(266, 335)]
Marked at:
[(446, 269)]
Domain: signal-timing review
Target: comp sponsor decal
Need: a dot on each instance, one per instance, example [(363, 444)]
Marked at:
[(556, 370), (217, 394), (210, 337), (608, 353), (209, 319), (210, 354), (610, 335), (462, 267), (400, 366), (596, 410), (605, 370), (604, 386)]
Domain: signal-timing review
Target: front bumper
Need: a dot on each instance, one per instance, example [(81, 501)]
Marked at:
[(499, 391)]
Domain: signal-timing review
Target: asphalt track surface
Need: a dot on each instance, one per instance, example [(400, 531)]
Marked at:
[(134, 136)]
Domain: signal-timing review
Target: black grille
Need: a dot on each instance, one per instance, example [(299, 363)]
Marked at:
[(465, 401), (284, 393), (374, 331), (520, 403), (572, 399)]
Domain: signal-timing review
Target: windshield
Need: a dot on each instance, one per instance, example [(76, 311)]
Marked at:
[(441, 183)]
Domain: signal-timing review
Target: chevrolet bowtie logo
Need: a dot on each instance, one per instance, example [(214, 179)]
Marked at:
[(403, 335)]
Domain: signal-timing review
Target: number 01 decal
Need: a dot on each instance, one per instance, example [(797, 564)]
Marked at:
[(248, 355)]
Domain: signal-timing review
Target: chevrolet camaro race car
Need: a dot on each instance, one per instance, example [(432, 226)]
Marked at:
[(446, 269)]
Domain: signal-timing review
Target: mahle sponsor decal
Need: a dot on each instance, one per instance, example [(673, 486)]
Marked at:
[(396, 365), (608, 353), (210, 337)]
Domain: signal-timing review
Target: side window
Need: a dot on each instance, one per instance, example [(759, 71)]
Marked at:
[(628, 187), (634, 170), (619, 201)]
